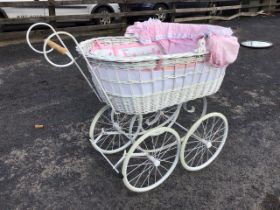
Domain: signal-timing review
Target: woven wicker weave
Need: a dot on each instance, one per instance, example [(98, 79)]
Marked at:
[(144, 84)]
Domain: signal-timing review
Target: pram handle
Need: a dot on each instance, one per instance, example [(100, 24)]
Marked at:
[(57, 47), (63, 49)]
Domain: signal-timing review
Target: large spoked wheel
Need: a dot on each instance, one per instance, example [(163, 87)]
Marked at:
[(104, 135), (204, 141), (151, 159)]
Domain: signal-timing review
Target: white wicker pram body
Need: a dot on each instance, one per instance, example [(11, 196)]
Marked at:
[(148, 83), (140, 87)]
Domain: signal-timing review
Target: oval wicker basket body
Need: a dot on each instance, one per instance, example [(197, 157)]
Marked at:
[(149, 83)]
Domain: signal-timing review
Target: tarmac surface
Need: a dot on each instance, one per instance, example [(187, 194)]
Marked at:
[(57, 168)]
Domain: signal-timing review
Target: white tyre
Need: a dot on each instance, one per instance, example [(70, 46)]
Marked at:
[(204, 141), (151, 159)]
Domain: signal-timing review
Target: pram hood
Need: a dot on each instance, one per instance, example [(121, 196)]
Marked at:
[(222, 46)]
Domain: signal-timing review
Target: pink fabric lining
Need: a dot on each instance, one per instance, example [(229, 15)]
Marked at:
[(121, 49), (173, 46), (180, 38)]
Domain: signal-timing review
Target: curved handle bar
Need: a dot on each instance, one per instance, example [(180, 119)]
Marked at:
[(67, 52), (28, 36), (51, 44), (62, 50)]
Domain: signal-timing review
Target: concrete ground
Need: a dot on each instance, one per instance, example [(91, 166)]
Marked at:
[(56, 167)]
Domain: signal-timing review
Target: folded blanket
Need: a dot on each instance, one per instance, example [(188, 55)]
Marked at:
[(178, 38)]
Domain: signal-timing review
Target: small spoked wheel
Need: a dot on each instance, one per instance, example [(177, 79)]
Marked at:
[(204, 141), (108, 131), (151, 159)]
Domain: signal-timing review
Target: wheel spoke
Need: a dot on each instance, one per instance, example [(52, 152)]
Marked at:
[(138, 165), (194, 141), (214, 147), (194, 148), (149, 170), (119, 140), (193, 158), (107, 119), (206, 127), (212, 136), (163, 141), (110, 142), (155, 175), (105, 123), (210, 152), (214, 123), (156, 141), (139, 175), (201, 157), (147, 178), (200, 144), (163, 167), (158, 171), (162, 160), (160, 155), (104, 140), (168, 158), (216, 139), (145, 145)]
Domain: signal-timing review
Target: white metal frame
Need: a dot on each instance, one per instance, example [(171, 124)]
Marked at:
[(153, 126)]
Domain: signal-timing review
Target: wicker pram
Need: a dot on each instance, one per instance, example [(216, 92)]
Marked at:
[(144, 94)]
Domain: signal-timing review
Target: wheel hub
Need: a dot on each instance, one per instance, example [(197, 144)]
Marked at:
[(155, 161), (208, 144)]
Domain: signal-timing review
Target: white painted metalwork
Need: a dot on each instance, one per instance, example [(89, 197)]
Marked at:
[(141, 121), (200, 111)]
